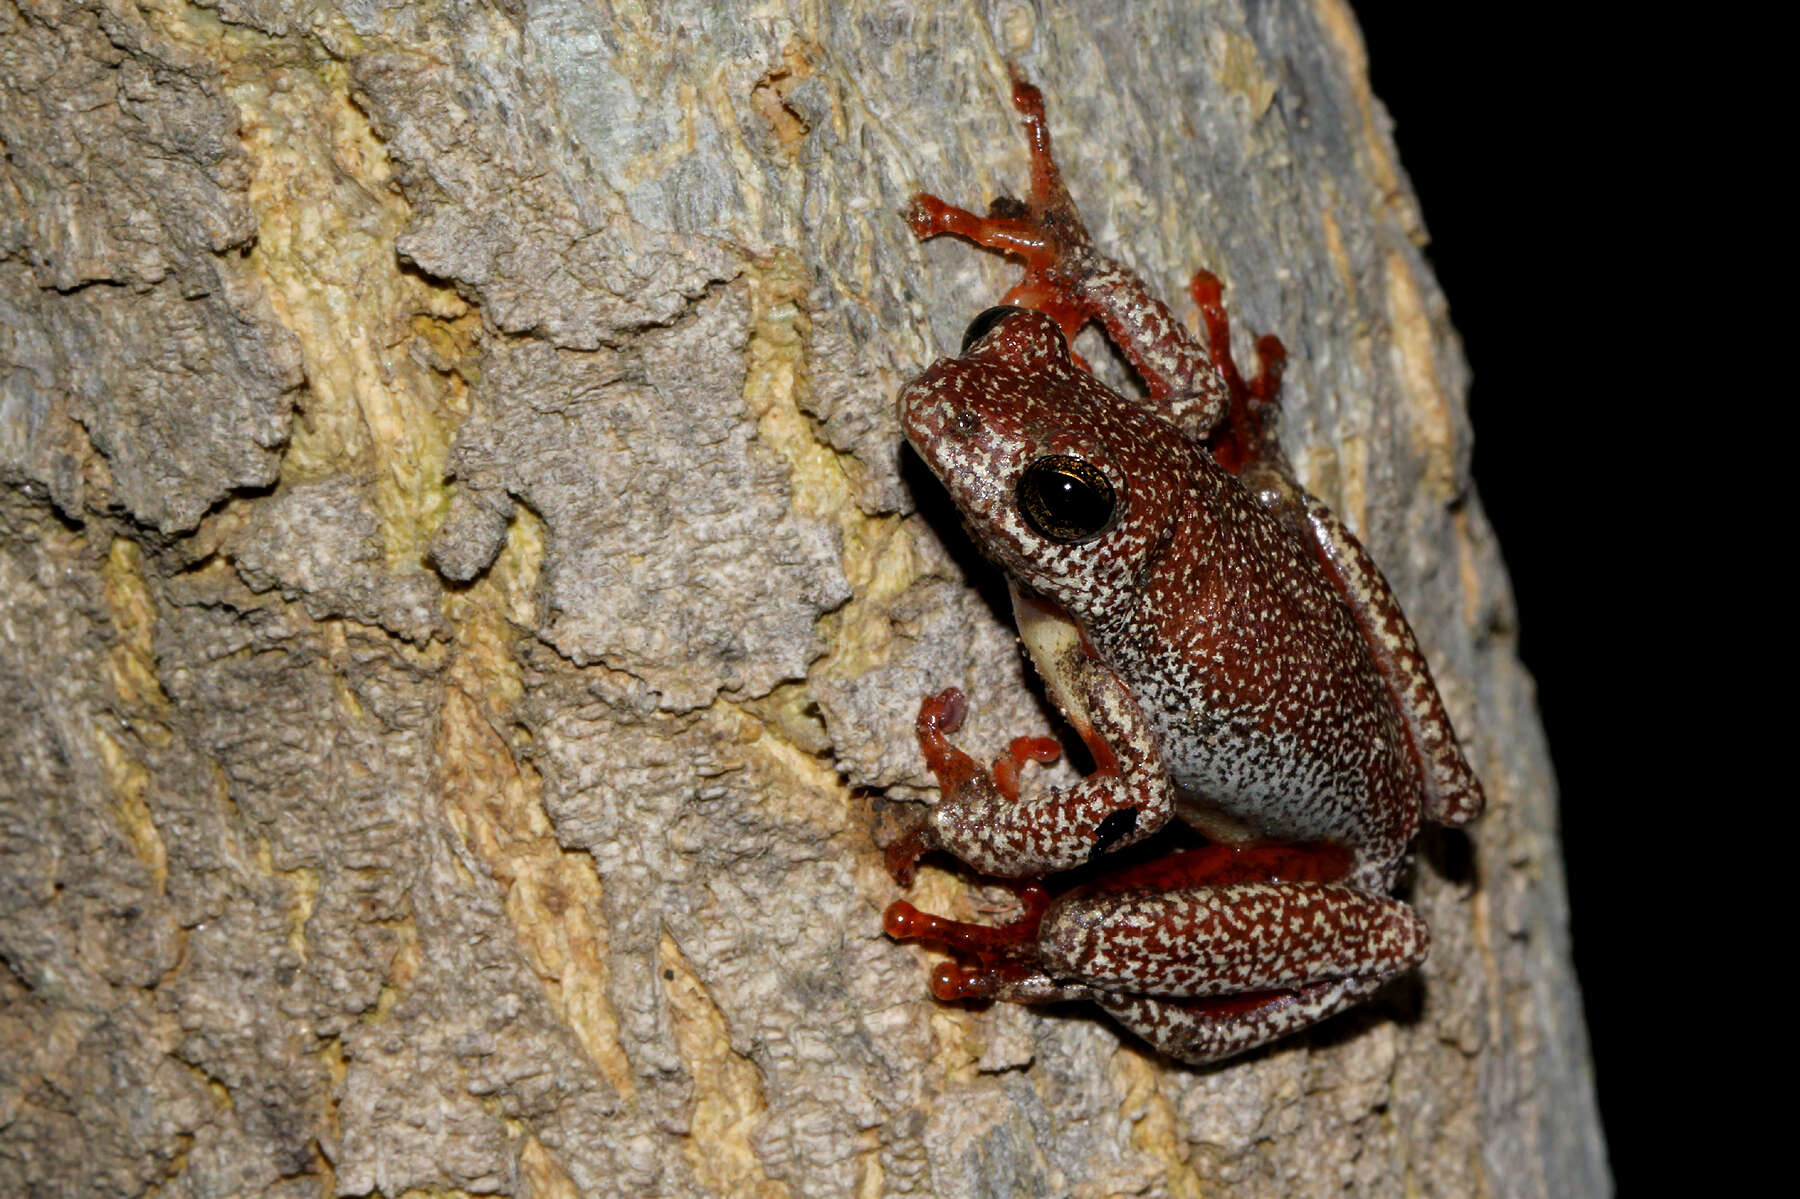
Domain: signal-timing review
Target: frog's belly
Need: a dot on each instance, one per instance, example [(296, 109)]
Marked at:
[(1275, 814), (1255, 774), (1238, 786)]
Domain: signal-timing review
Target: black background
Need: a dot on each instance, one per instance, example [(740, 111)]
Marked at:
[(1527, 144)]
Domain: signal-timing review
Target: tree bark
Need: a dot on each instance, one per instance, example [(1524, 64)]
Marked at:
[(463, 604)]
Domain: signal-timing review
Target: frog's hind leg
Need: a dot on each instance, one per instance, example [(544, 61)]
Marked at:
[(1211, 971), (1232, 940), (1198, 1031)]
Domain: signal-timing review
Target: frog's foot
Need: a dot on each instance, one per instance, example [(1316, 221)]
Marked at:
[(1050, 200), (1042, 231), (1003, 229), (986, 943), (902, 857), (1045, 232), (957, 773), (1247, 434), (961, 778), (1041, 248), (1004, 953)]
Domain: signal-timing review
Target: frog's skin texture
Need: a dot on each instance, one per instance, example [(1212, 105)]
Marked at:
[(1221, 643)]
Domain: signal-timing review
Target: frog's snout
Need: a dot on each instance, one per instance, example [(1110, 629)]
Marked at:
[(929, 412)]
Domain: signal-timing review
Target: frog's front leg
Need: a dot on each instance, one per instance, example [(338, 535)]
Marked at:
[(982, 819), (1067, 279), (960, 777)]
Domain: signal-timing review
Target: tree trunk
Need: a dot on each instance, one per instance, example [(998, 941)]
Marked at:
[(463, 604)]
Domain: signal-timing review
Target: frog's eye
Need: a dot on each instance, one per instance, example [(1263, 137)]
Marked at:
[(984, 321), (1065, 498)]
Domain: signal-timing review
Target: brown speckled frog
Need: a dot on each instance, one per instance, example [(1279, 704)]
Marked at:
[(1223, 646)]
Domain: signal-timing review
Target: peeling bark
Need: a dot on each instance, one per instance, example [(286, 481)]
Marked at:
[(462, 604)]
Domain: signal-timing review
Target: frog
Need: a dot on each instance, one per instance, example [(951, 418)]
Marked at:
[(1232, 659)]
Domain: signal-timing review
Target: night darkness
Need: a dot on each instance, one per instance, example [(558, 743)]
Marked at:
[(1499, 124)]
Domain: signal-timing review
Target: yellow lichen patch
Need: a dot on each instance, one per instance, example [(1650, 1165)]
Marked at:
[(881, 560), (547, 1178), (769, 97), (1240, 70), (722, 105), (553, 897), (795, 717), (1018, 28), (450, 344), (727, 1089), (775, 374), (506, 593), (797, 784), (1338, 21), (1335, 251), (1415, 361), (487, 616), (869, 1174), (1339, 475), (131, 662), (879, 555), (1468, 570), (645, 169), (129, 781), (403, 968), (1155, 1126), (303, 884), (331, 1055), (327, 216), (335, 646), (1353, 482), (954, 1047)]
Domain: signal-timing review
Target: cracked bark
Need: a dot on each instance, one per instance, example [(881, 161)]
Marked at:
[(460, 592)]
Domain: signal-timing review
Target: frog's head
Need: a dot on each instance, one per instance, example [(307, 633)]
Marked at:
[(1070, 487)]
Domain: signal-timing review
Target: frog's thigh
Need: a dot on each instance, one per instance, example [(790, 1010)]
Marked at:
[(1190, 1033), (1229, 939)]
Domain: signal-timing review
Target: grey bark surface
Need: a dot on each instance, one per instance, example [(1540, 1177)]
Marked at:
[(463, 604)]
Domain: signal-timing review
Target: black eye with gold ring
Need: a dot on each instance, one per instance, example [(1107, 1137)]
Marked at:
[(1065, 498)]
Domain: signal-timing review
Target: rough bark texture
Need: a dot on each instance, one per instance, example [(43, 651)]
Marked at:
[(463, 604)]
